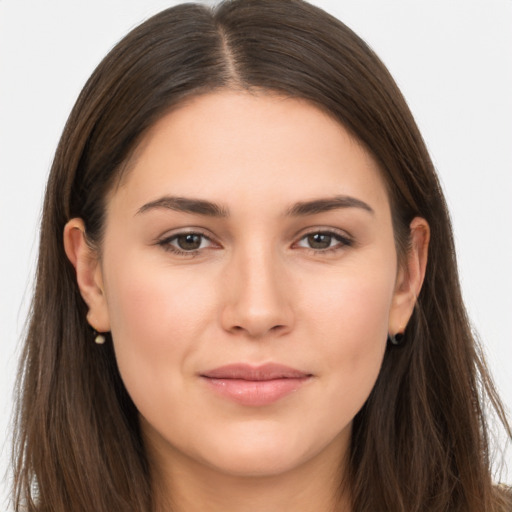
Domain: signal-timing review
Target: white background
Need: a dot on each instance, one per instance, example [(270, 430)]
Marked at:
[(452, 59)]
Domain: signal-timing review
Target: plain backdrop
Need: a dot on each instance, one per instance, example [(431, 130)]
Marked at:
[(451, 58)]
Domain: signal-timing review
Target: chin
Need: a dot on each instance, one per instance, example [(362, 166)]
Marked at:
[(256, 465), (265, 453)]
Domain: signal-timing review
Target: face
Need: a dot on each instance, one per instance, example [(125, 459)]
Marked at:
[(249, 277)]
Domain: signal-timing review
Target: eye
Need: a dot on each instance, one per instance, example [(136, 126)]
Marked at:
[(189, 242), (323, 241), (186, 243)]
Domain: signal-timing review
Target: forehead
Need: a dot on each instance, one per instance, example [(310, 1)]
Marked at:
[(228, 145)]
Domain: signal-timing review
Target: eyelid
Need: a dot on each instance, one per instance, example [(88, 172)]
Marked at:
[(188, 230)]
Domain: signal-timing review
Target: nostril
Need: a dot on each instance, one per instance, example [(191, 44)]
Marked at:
[(258, 332)]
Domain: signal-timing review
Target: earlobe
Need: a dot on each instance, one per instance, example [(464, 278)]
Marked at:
[(88, 274), (410, 276)]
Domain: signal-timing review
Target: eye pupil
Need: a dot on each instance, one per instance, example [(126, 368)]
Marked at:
[(319, 241), (189, 242)]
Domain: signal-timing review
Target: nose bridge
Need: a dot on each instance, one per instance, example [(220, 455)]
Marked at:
[(257, 299)]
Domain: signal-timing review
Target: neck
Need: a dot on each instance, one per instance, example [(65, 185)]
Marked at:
[(188, 486)]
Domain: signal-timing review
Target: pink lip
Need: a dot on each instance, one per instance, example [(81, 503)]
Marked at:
[(255, 385)]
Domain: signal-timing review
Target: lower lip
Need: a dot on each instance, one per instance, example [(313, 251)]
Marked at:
[(256, 392)]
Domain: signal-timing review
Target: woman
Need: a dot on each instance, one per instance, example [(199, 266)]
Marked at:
[(247, 297)]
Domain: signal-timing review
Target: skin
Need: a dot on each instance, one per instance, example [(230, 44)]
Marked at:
[(255, 292)]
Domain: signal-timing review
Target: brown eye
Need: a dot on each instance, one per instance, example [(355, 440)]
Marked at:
[(319, 240), (189, 242), (186, 243), (324, 241)]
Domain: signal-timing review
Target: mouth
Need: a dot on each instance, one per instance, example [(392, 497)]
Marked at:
[(255, 386)]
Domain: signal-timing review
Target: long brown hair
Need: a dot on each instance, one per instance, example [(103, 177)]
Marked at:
[(420, 442)]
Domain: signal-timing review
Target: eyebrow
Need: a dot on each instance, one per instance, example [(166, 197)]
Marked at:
[(186, 205), (324, 205), (210, 209)]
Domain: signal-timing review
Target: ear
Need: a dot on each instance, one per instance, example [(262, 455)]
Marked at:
[(410, 276), (88, 274)]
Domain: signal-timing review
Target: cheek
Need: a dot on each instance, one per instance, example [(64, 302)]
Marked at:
[(143, 302), (353, 305), (156, 317), (349, 324)]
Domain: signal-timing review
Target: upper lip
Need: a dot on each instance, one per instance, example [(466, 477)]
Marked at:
[(244, 371)]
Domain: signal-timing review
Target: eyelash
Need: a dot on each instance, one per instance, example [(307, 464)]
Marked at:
[(343, 241)]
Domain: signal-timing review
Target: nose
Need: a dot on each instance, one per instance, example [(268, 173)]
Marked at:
[(257, 296)]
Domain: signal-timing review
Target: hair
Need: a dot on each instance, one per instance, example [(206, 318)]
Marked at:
[(419, 443)]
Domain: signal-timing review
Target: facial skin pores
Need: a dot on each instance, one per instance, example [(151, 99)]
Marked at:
[(249, 277)]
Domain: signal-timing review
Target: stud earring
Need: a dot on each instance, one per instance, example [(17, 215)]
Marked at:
[(396, 339), (99, 339)]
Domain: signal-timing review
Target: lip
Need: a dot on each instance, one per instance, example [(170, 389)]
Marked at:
[(255, 386)]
